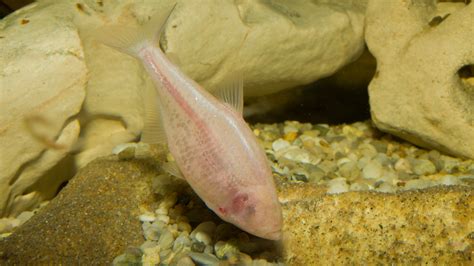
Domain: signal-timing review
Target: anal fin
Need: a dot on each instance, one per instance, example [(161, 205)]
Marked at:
[(153, 130)]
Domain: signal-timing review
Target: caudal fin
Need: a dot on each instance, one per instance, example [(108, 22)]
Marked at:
[(130, 40)]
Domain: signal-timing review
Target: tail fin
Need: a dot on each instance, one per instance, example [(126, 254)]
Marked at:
[(130, 40)]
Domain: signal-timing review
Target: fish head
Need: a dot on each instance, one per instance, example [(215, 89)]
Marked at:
[(256, 211)]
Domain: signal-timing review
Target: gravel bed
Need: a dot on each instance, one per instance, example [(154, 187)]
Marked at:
[(174, 235), (356, 157), (353, 157)]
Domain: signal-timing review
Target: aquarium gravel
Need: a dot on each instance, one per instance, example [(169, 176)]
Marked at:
[(355, 157)]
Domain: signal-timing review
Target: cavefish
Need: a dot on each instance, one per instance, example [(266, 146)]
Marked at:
[(213, 147)]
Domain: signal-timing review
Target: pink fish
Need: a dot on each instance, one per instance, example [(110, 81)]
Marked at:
[(214, 149)]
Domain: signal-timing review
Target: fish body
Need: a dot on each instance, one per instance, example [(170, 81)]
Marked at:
[(214, 148)]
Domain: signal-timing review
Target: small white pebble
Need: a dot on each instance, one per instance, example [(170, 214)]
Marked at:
[(164, 218), (185, 227), (372, 170), (203, 238), (386, 188), (289, 129), (450, 180), (206, 227), (147, 217), (403, 165), (337, 185), (417, 184), (280, 144), (359, 187)]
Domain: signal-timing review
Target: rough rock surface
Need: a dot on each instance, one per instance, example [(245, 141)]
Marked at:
[(276, 44), (91, 221), (419, 91), (434, 225), (95, 218), (42, 82)]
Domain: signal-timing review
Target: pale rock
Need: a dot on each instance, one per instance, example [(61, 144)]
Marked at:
[(43, 77), (423, 167), (337, 185), (280, 144), (450, 180), (372, 170), (418, 92)]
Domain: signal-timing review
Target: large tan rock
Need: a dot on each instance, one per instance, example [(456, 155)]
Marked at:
[(42, 82), (49, 67), (430, 226), (419, 91)]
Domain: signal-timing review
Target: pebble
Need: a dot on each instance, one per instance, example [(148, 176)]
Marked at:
[(185, 227), (403, 165), (372, 170), (147, 217), (204, 258), (450, 180), (185, 261), (386, 188), (280, 144), (163, 218), (151, 256), (423, 167), (181, 242), (166, 240), (127, 259), (337, 185), (359, 187), (417, 184), (349, 170), (125, 151), (203, 238), (166, 256), (205, 227), (225, 250)]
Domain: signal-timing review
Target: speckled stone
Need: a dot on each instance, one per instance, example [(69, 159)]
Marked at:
[(92, 220), (432, 226)]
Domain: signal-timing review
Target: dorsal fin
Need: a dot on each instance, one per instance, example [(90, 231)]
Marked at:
[(231, 92)]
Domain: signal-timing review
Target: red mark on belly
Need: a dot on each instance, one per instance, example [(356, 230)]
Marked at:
[(239, 202)]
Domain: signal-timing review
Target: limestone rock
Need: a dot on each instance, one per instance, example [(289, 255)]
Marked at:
[(92, 220), (419, 91), (50, 63), (42, 86), (428, 226)]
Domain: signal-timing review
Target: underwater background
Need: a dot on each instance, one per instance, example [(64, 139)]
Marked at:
[(364, 110)]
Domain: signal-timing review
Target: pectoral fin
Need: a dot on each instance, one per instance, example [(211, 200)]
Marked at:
[(231, 92), (172, 168)]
